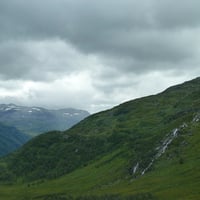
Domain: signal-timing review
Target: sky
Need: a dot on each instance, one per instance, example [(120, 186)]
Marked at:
[(93, 55)]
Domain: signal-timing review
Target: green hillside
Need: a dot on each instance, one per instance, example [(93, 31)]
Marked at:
[(10, 139), (147, 148)]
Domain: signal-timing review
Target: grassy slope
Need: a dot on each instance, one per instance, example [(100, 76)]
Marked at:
[(167, 180), (10, 139), (135, 128)]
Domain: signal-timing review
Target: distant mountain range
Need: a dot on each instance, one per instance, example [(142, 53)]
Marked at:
[(19, 123), (35, 120)]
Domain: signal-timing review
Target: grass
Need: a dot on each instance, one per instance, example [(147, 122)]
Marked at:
[(169, 179)]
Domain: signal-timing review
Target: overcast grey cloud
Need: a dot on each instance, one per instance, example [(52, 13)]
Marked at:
[(95, 54)]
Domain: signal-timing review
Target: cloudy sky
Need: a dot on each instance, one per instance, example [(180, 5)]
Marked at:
[(91, 54)]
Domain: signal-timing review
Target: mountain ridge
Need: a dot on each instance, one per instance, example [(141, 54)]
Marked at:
[(35, 120)]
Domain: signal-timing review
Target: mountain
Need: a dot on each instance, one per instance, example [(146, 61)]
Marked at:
[(147, 148), (36, 120), (10, 139)]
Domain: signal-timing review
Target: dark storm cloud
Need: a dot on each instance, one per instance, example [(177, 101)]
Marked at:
[(38, 60), (177, 14), (8, 56), (145, 33), (51, 50)]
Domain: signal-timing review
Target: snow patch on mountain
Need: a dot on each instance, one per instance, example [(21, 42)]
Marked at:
[(196, 118), (167, 141), (135, 168), (162, 148), (36, 109)]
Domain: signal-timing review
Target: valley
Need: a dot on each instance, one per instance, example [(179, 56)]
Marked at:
[(18, 124)]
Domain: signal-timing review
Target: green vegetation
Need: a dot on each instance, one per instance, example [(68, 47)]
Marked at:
[(10, 139), (97, 158), (105, 197)]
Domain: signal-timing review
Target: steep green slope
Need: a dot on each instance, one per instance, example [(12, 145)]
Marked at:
[(148, 146), (169, 178), (10, 139)]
